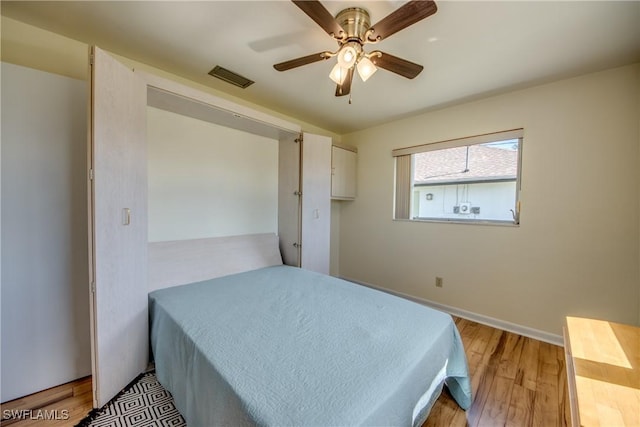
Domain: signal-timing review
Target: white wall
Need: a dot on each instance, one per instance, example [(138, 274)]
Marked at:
[(207, 180), (44, 282), (577, 249)]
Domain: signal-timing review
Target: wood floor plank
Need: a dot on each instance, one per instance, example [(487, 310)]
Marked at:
[(445, 414), (481, 384), (521, 407), (508, 367), (468, 330), (527, 372), (564, 404), (545, 408), (496, 407), (82, 386), (474, 360), (481, 339), (495, 348), (545, 411)]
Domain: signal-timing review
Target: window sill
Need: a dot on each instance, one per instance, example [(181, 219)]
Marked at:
[(466, 222)]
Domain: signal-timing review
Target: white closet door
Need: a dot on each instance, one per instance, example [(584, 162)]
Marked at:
[(316, 202), (119, 226), (289, 200)]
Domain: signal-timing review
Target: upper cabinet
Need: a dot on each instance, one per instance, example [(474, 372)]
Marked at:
[(343, 173)]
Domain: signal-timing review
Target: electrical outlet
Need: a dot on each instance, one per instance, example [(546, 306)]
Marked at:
[(438, 282)]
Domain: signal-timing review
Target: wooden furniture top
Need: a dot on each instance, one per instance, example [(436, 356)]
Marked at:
[(606, 367)]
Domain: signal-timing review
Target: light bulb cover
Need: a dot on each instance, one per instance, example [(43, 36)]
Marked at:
[(338, 74), (366, 68), (347, 56)]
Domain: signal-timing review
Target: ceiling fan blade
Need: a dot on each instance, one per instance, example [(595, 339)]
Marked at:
[(316, 11), (408, 14), (396, 65), (298, 62), (345, 87)]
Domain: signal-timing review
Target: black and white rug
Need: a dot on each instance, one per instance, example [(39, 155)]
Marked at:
[(144, 402)]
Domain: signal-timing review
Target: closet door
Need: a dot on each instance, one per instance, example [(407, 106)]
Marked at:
[(316, 202), (118, 226), (289, 199)]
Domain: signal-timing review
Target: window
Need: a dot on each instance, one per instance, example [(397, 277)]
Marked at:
[(475, 179)]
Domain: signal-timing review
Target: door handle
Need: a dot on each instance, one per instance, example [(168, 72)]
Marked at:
[(126, 216)]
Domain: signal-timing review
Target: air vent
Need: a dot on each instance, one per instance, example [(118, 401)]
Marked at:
[(231, 77)]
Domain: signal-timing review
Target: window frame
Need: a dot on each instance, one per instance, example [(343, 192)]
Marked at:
[(404, 173)]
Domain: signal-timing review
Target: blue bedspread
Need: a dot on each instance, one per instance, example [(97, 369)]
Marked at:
[(282, 346)]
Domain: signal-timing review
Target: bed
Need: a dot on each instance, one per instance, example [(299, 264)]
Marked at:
[(280, 345)]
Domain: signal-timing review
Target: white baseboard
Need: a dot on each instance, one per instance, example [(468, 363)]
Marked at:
[(479, 318)]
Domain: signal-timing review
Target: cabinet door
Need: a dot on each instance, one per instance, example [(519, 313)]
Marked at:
[(118, 226), (289, 199), (343, 173), (316, 202)]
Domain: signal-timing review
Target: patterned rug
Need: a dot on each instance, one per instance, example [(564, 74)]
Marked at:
[(144, 402)]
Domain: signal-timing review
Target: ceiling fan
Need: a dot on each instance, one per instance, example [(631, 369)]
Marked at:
[(352, 29)]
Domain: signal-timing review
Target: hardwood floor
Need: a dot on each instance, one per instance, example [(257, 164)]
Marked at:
[(64, 405), (516, 381)]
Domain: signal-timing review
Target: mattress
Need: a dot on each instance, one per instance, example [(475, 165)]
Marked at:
[(285, 346)]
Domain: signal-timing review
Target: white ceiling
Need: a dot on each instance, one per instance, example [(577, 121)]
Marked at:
[(469, 49)]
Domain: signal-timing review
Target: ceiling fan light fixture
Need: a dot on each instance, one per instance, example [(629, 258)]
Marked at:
[(338, 74), (365, 68), (347, 56), (352, 29)]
